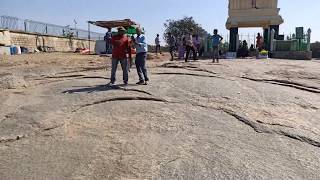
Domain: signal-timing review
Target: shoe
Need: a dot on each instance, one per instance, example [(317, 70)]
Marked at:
[(146, 82), (140, 83), (111, 84), (125, 83)]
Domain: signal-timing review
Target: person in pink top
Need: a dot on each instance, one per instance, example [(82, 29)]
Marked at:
[(181, 49)]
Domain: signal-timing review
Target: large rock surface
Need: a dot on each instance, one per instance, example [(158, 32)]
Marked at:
[(242, 119)]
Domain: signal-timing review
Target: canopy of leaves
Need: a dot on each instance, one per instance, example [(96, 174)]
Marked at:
[(181, 27)]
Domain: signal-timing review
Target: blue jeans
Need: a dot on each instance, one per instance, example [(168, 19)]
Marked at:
[(124, 66), (141, 59)]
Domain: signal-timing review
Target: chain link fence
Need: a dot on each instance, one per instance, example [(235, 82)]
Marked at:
[(16, 24)]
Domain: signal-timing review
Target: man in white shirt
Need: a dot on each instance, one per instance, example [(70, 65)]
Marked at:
[(189, 46)]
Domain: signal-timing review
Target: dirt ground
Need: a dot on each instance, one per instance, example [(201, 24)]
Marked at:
[(240, 119)]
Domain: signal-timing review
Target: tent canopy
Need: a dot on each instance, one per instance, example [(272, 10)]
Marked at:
[(126, 23)]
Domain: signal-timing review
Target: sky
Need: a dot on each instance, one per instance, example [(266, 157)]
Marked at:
[(152, 14)]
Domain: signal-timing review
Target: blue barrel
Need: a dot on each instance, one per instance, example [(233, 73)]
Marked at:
[(13, 50)]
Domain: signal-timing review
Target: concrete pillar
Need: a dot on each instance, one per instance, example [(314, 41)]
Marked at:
[(272, 39), (276, 30), (233, 39), (266, 38), (309, 39)]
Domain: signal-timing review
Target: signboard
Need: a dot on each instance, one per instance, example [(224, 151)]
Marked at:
[(299, 32)]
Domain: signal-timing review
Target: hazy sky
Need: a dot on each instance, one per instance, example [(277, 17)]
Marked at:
[(153, 13)]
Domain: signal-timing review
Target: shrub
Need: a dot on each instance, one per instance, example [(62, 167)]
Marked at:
[(264, 53)]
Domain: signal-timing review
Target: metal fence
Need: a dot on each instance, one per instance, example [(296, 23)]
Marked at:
[(16, 24), (250, 38)]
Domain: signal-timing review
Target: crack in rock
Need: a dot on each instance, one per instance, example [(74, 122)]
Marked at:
[(53, 127), (164, 164), (136, 98), (274, 124), (186, 74), (255, 126), (66, 76), (262, 129), (62, 78), (187, 67), (286, 83), (85, 69), (7, 116), (79, 76), (131, 89), (94, 68), (6, 140), (259, 128), (68, 119), (94, 77)]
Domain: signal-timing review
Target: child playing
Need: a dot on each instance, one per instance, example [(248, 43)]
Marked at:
[(216, 40)]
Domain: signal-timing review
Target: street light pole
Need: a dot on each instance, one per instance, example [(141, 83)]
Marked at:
[(89, 37), (75, 28)]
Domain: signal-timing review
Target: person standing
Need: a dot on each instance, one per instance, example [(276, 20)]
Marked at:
[(121, 46), (133, 51), (196, 43), (259, 42), (181, 48), (157, 42), (216, 40), (190, 46), (141, 58), (172, 45), (108, 38), (254, 4)]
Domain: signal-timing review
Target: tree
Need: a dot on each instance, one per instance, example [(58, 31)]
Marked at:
[(180, 27)]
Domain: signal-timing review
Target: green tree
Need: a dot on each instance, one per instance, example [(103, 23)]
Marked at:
[(181, 27)]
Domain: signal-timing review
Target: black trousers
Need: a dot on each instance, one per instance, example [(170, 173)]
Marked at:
[(158, 48), (191, 48)]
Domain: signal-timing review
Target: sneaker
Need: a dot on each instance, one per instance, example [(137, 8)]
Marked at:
[(111, 84), (125, 83), (146, 82), (140, 83)]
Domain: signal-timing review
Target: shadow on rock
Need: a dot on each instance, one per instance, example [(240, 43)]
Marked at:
[(104, 88)]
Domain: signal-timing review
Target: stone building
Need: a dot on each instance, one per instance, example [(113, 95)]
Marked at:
[(253, 13)]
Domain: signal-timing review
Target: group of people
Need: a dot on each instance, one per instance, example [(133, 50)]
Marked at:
[(244, 51), (190, 43), (121, 46)]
